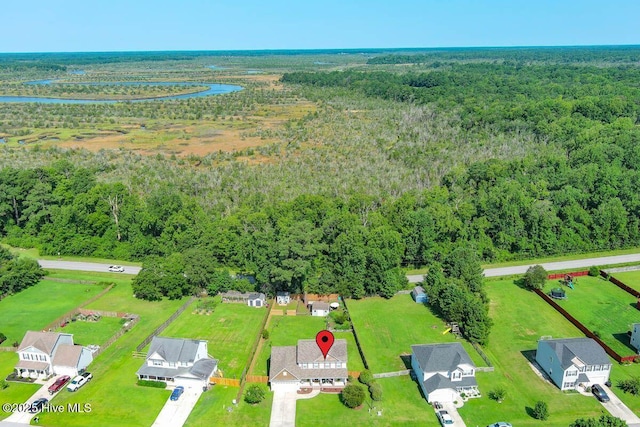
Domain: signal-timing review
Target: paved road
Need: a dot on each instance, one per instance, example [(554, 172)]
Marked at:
[(84, 266), (175, 412), (551, 266)]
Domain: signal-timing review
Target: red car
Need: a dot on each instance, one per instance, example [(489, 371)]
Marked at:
[(60, 382)]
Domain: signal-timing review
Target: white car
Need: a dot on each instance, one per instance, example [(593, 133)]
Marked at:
[(445, 418), (79, 381), (116, 268)]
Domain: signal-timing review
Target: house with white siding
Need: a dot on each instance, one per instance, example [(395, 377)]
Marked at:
[(43, 354)]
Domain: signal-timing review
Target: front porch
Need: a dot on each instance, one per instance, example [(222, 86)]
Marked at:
[(33, 370), (321, 383)]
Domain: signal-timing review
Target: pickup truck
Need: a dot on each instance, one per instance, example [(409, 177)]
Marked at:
[(79, 381), (60, 382)]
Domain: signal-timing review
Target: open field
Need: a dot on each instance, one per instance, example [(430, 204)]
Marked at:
[(231, 330), (629, 278), (520, 319), (37, 306), (86, 333), (388, 328), (214, 406), (593, 301), (113, 393), (287, 330), (402, 405)]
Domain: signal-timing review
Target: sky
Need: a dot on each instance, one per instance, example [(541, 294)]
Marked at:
[(134, 25)]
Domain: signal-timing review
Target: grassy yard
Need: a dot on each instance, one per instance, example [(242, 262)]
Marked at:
[(113, 394), (86, 333), (629, 278), (593, 301), (16, 392), (388, 329), (520, 319), (231, 330), (37, 306), (401, 405), (287, 330), (213, 409)]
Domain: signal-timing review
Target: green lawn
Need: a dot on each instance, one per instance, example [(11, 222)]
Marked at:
[(388, 329), (213, 409), (593, 301), (520, 319), (629, 278), (231, 331), (401, 405), (113, 393), (16, 392), (37, 306), (287, 330), (86, 333)]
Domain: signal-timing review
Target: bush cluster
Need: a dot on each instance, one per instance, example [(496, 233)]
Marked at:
[(154, 384)]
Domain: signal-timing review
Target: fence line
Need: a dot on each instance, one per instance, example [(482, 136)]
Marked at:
[(355, 336), (483, 355), (572, 274), (620, 284), (257, 379), (68, 315), (225, 381), (134, 318), (254, 347), (392, 374), (166, 323)]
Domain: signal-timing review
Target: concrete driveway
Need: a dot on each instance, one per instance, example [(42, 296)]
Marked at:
[(25, 417), (283, 409), (619, 409), (174, 413), (453, 411)]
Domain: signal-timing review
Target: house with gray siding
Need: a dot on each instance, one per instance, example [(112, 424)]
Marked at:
[(573, 362), (444, 372), (635, 336), (43, 354)]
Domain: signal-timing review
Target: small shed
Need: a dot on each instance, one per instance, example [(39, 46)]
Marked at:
[(257, 300), (419, 295), (319, 308), (283, 298)]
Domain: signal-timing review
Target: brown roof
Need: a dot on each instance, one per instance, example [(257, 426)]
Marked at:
[(309, 352), (283, 359), (67, 355), (43, 341), (320, 305), (29, 364)]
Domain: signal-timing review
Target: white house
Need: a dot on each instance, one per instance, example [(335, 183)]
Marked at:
[(319, 308), (572, 362), (444, 371), (42, 354), (257, 299), (283, 298), (635, 336), (294, 367), (178, 361)]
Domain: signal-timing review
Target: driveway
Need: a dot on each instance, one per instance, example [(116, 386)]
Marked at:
[(283, 409), (25, 417), (453, 411), (175, 412), (619, 409)]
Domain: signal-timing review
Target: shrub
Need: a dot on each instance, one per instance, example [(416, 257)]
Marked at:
[(3, 384), (375, 390), (154, 384), (535, 277), (254, 394), (265, 334), (594, 271), (352, 395), (541, 410), (497, 394), (631, 385), (366, 377)]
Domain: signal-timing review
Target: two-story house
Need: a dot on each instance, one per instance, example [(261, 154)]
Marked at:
[(178, 361), (635, 336), (304, 366), (572, 362), (444, 371), (42, 354)]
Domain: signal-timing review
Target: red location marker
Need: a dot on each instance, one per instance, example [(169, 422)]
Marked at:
[(325, 339)]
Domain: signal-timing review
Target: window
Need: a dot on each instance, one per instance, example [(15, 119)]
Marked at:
[(571, 373), (338, 364), (316, 365), (568, 384), (327, 365), (157, 363)]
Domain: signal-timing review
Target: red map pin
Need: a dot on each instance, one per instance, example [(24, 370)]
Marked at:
[(325, 339)]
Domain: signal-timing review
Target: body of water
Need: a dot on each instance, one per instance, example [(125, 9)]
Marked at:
[(213, 89)]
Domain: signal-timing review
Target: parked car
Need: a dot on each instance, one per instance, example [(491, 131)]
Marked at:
[(599, 393), (116, 268), (79, 381), (60, 382), (177, 392), (500, 424), (444, 418), (37, 405)]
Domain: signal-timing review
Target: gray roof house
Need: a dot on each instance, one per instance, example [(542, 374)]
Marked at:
[(320, 308), (304, 366), (571, 362), (444, 371), (178, 361), (42, 354)]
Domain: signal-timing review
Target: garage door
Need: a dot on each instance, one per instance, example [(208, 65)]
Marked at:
[(189, 383)]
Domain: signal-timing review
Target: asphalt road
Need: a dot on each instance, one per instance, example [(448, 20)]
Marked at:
[(551, 266), (84, 266)]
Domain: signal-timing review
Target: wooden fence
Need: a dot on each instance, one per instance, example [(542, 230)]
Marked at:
[(392, 374), (166, 323), (355, 336), (134, 318), (68, 315), (257, 379), (620, 284), (582, 327), (563, 275), (234, 382)]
